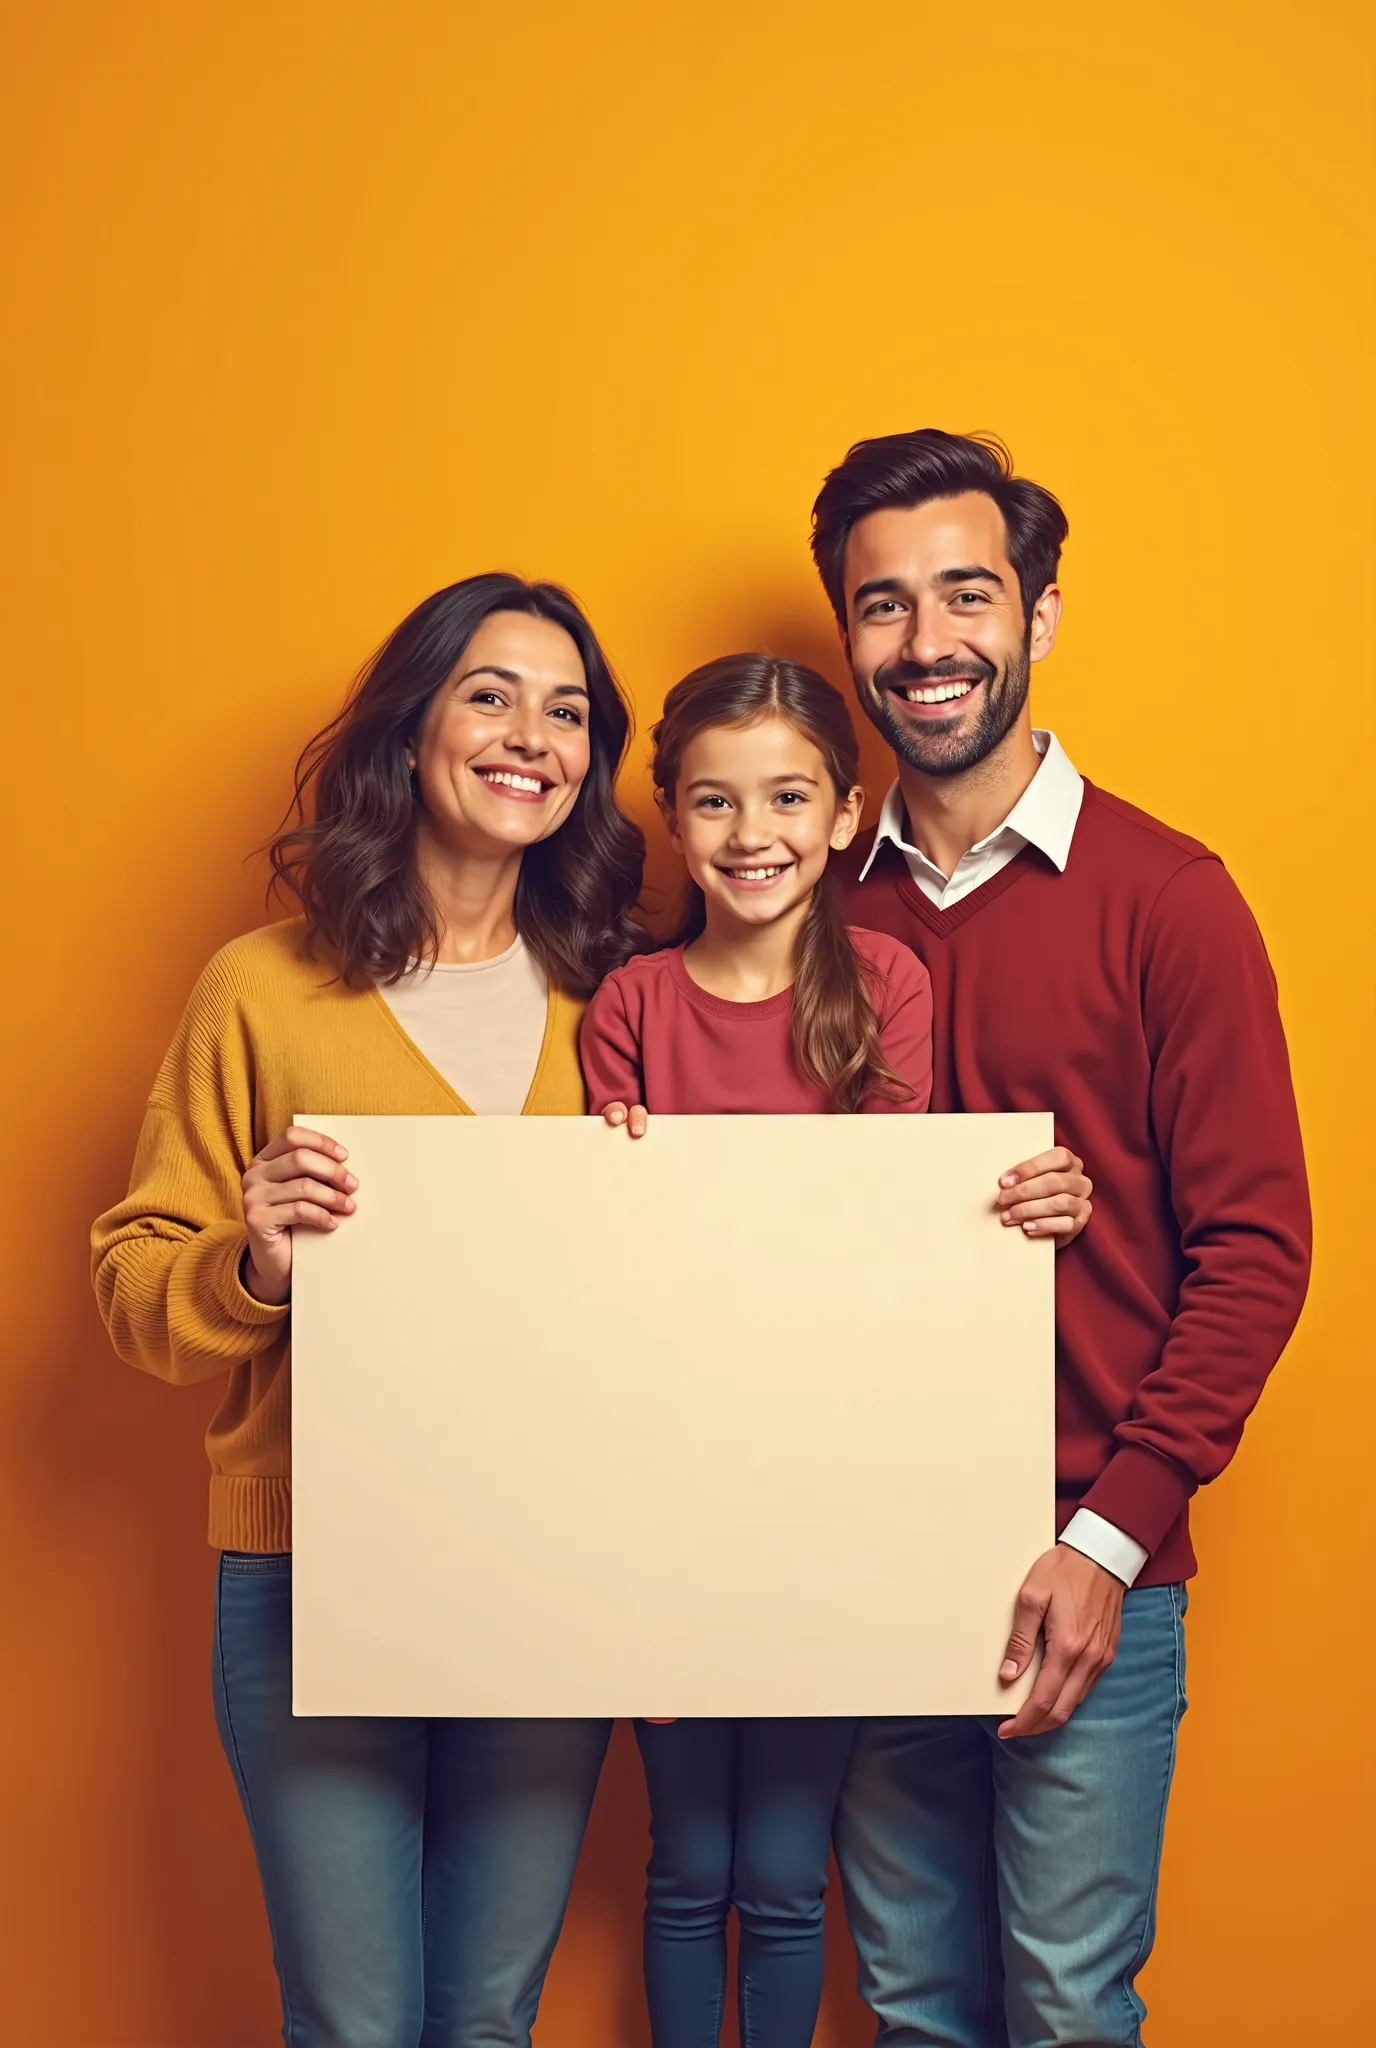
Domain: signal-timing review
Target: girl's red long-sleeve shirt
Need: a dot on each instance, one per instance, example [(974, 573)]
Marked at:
[(1132, 996), (652, 1036)]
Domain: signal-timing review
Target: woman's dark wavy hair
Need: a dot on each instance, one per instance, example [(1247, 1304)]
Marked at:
[(835, 1025), (351, 863)]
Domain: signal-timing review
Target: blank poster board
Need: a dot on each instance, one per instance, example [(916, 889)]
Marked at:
[(751, 1416)]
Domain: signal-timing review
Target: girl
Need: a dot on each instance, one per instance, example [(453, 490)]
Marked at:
[(769, 1003), (465, 882)]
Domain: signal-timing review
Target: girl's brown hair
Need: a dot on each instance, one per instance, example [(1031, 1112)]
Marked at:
[(835, 1025), (347, 849)]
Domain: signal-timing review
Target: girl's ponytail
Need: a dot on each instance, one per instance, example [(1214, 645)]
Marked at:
[(835, 1022)]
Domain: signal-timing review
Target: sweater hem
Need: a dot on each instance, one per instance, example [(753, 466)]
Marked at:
[(251, 1513), (1172, 1561)]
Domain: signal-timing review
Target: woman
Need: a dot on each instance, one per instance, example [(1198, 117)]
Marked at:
[(466, 881)]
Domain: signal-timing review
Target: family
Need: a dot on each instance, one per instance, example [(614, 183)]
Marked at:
[(1006, 937)]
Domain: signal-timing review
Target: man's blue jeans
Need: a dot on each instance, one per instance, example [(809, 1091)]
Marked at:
[(1003, 1894), (415, 1872)]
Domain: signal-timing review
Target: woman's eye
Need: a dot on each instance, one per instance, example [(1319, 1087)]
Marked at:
[(486, 697), (566, 714)]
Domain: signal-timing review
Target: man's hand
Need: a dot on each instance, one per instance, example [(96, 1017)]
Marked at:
[(1047, 1196), (1078, 1607)]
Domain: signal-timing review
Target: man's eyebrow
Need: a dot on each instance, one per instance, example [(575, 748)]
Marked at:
[(509, 675), (975, 572), (879, 586), (893, 586)]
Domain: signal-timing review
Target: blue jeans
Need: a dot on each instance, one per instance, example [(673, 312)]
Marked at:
[(1003, 1894), (740, 1814), (415, 1872)]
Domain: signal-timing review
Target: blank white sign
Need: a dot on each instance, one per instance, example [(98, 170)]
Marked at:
[(751, 1416)]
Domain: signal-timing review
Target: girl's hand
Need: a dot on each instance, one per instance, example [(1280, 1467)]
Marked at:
[(297, 1182), (1047, 1196), (634, 1117)]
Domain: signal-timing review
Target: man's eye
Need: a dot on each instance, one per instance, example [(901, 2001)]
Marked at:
[(971, 597), (883, 604)]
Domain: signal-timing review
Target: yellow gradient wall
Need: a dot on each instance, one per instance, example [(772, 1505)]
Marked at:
[(314, 307)]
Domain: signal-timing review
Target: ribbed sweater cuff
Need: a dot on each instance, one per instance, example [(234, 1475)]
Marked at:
[(1141, 1493), (222, 1247)]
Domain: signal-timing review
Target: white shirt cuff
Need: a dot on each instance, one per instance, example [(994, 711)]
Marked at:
[(1095, 1538)]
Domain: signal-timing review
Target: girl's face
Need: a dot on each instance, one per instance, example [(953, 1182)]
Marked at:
[(504, 748), (755, 814)]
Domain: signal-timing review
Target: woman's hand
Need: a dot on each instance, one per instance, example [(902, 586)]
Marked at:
[(635, 1118), (1048, 1196), (298, 1182)]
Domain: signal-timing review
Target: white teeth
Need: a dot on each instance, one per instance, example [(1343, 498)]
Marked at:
[(755, 874), (938, 693), (526, 782)]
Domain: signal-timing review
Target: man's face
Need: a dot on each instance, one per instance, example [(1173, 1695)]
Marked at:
[(935, 632)]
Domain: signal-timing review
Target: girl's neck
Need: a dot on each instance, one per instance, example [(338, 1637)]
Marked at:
[(474, 898), (746, 963)]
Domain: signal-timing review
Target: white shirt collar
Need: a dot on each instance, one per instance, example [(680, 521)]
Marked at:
[(1044, 815)]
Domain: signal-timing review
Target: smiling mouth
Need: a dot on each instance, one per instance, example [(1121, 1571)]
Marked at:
[(520, 788), (933, 693), (756, 877)]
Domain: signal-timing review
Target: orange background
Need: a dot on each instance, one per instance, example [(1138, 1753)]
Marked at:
[(315, 307)]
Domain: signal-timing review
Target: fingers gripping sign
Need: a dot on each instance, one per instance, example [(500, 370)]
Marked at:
[(1047, 1196), (1077, 1607), (632, 1116), (297, 1182)]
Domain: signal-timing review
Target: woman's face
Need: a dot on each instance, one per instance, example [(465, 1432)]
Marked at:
[(504, 748)]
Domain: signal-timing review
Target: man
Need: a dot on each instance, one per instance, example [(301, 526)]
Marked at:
[(1001, 1876)]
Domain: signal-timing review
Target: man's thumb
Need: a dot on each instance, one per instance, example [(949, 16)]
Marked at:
[(1027, 1622)]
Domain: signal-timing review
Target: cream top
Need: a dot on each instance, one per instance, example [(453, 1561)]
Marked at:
[(481, 1024)]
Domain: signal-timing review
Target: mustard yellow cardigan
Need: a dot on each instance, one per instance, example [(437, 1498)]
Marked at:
[(267, 1033)]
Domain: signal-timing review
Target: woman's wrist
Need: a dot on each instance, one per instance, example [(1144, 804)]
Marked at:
[(272, 1293)]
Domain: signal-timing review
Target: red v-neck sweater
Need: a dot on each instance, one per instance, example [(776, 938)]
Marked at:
[(1132, 996)]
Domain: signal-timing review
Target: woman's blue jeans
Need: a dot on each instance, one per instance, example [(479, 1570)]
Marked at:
[(415, 1872), (740, 1814)]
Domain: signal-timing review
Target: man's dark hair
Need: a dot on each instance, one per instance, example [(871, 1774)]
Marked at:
[(898, 471)]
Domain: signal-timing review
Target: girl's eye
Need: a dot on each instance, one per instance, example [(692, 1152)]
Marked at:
[(791, 797), (711, 803)]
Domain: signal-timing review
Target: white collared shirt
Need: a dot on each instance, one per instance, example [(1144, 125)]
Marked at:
[(1044, 816)]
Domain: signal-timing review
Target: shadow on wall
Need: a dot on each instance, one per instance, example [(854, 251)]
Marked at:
[(105, 1483)]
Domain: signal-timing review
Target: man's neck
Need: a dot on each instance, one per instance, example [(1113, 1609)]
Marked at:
[(948, 814)]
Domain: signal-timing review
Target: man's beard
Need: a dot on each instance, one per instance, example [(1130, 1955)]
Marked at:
[(949, 749)]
